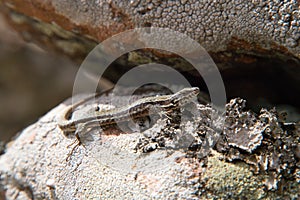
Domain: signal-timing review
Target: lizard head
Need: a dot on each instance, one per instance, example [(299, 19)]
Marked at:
[(185, 95)]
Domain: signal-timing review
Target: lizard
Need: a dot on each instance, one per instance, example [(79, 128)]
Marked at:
[(135, 110)]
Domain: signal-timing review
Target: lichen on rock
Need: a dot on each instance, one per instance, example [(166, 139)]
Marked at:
[(274, 148)]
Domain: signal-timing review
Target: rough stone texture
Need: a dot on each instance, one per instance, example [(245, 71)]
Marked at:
[(266, 142), (38, 164), (250, 27), (233, 31)]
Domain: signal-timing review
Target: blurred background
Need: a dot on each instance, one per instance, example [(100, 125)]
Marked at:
[(32, 82)]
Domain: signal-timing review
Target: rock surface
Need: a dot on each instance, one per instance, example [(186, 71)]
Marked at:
[(254, 156), (38, 164), (249, 27)]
